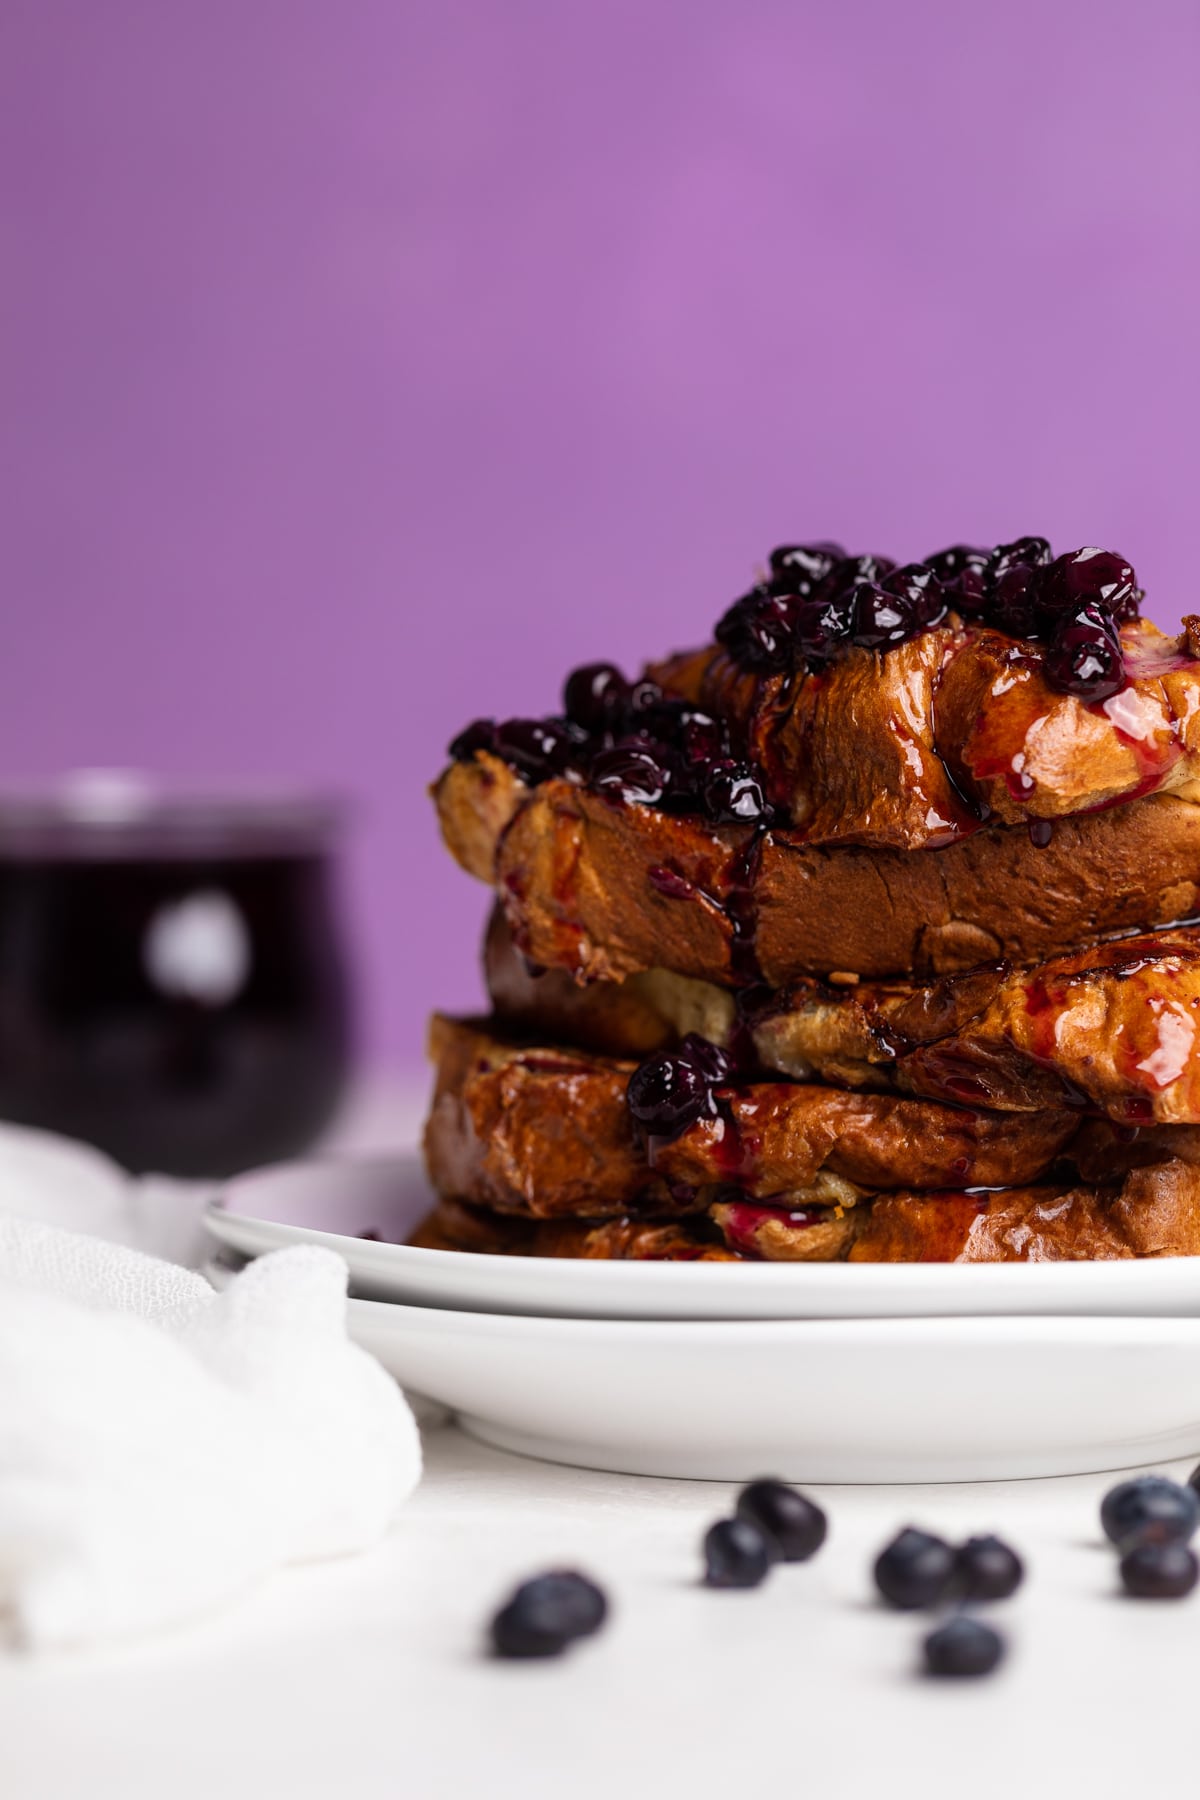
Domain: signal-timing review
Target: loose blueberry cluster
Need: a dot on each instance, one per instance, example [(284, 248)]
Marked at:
[(772, 1523), (816, 602), (1151, 1521), (628, 740), (672, 1089), (918, 1571)]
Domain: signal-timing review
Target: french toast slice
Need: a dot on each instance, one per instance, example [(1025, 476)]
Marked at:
[(1153, 1211), (1113, 1026), (546, 1132), (607, 889), (910, 748)]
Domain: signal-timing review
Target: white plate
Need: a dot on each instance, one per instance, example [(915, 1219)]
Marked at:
[(856, 1400), (332, 1202)]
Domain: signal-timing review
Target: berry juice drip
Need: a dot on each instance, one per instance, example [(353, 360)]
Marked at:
[(741, 908)]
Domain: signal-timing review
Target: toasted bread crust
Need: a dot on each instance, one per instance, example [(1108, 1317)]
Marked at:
[(606, 890)]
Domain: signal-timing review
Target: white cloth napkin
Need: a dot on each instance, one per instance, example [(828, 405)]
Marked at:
[(162, 1446)]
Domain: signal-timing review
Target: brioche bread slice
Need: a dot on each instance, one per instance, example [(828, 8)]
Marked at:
[(606, 889), (1153, 1211), (545, 1132), (905, 749)]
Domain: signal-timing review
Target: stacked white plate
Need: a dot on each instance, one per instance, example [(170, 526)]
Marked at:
[(823, 1372)]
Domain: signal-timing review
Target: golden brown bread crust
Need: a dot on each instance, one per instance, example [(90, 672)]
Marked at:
[(546, 1133), (904, 749), (1154, 1212), (606, 890)]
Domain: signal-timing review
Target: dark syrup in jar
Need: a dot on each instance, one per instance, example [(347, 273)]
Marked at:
[(171, 980)]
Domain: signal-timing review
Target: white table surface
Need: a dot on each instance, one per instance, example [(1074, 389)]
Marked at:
[(366, 1677)]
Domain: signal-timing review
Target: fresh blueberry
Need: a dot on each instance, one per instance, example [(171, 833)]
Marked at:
[(734, 796), (1150, 1509), (736, 1554), (986, 1568), (596, 697), (801, 568), (548, 1613), (630, 771), (915, 1570), (1085, 657), (757, 632), (1090, 575), (793, 1525), (963, 1647), (1160, 1571), (1194, 1479), (479, 735)]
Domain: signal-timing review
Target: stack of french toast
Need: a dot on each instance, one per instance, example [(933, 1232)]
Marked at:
[(864, 933)]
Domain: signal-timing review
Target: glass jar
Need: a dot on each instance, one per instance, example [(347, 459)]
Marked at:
[(172, 986)]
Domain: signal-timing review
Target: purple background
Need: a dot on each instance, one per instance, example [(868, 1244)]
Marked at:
[(363, 366)]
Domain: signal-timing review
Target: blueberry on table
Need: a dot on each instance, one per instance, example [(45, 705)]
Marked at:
[(986, 1568), (793, 1525), (963, 1647), (547, 1613), (736, 1554), (1150, 1509), (1159, 1571), (915, 1570), (1194, 1479)]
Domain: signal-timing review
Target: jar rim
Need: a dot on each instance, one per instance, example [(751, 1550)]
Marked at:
[(101, 813)]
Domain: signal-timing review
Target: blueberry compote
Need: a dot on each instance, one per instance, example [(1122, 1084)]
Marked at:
[(813, 604), (673, 1089), (633, 743), (171, 984)]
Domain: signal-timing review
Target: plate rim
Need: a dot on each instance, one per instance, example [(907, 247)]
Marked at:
[(1104, 1330)]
